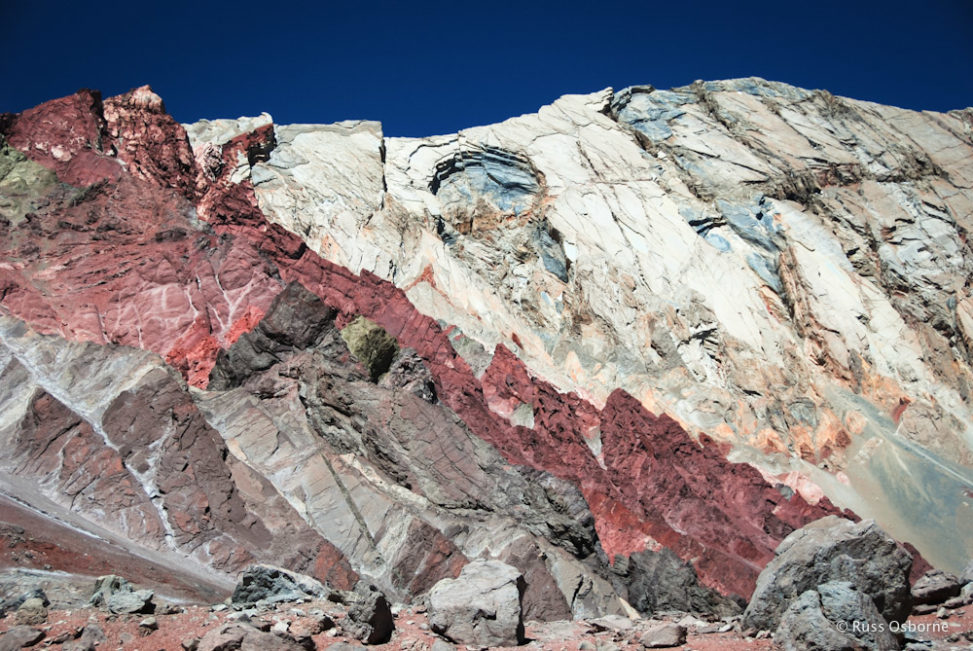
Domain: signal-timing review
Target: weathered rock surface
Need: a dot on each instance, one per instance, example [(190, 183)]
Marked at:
[(265, 583), (231, 637), (370, 615), (664, 636), (935, 587), (482, 606), (134, 455), (119, 596), (598, 237), (399, 354), (833, 549), (18, 637), (661, 581), (835, 615)]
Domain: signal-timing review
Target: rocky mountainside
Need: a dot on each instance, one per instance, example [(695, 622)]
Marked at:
[(626, 344)]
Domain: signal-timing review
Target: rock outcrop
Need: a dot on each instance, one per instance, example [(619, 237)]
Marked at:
[(833, 550), (637, 336), (834, 615), (482, 606)]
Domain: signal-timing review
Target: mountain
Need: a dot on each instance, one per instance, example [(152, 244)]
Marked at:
[(626, 344)]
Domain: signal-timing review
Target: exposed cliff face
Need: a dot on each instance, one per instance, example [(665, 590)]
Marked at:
[(358, 355), (780, 269)]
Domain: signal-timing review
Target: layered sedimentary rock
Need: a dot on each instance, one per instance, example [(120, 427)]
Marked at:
[(551, 341), (780, 269)]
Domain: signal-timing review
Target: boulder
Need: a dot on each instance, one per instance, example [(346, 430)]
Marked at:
[(18, 637), (482, 606), (119, 596), (31, 612), (13, 603), (935, 587), (663, 636), (833, 549), (269, 584), (369, 615), (835, 615), (246, 638)]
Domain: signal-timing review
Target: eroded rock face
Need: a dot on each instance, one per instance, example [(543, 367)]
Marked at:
[(133, 455), (780, 269), (536, 293)]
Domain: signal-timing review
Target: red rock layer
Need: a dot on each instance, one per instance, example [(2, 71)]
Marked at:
[(133, 267), (53, 442)]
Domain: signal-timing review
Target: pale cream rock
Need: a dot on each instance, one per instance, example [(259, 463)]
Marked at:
[(754, 259)]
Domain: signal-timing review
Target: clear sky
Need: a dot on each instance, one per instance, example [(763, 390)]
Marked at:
[(423, 68)]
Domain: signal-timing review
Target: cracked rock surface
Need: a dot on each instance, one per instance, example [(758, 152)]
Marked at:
[(626, 345)]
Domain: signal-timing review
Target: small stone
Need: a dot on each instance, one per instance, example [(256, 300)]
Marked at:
[(955, 602), (310, 626), (664, 636), (924, 609), (942, 613), (281, 628), (63, 637), (191, 644), (218, 608), (967, 593), (149, 624), (369, 616)]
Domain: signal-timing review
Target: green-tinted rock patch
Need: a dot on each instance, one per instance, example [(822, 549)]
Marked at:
[(23, 183), (371, 345)]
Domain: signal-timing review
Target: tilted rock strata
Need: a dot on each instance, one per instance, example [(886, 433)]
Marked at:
[(112, 434), (781, 269), (176, 256)]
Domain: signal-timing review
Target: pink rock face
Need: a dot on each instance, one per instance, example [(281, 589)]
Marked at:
[(122, 262), (55, 442), (127, 263), (151, 144), (65, 135)]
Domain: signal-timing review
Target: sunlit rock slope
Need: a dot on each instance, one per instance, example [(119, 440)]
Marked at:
[(645, 333)]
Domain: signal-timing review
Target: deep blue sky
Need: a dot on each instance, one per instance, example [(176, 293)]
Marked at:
[(435, 67)]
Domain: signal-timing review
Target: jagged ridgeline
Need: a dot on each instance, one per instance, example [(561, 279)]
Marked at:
[(625, 345)]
